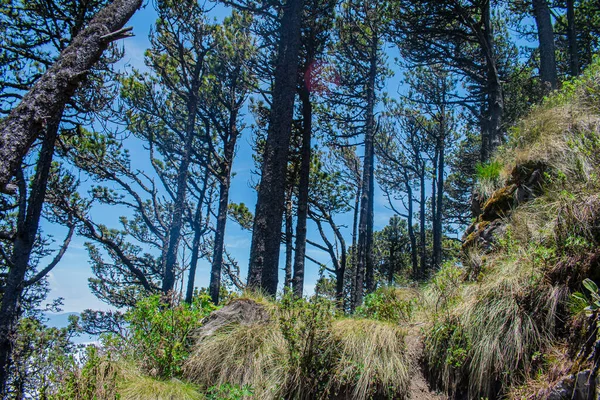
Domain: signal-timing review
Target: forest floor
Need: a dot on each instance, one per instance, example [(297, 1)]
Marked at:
[(419, 388)]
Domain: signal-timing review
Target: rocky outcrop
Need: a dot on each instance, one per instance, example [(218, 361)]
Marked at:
[(524, 184), (238, 311), (578, 386)]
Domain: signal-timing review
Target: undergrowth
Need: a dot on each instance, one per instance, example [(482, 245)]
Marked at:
[(491, 332)]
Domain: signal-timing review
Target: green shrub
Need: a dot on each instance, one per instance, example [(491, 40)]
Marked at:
[(306, 328), (160, 333), (97, 378), (389, 304), (228, 391)]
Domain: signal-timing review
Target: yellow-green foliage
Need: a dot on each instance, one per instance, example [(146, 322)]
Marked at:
[(485, 334), (136, 386), (252, 355), (372, 359), (304, 352), (102, 378)]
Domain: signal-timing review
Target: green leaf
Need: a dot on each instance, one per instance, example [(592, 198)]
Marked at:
[(590, 285)]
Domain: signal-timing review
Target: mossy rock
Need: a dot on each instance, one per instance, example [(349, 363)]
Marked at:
[(499, 204), (521, 174), (483, 236)]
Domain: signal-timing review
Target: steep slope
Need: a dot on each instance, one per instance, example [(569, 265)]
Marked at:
[(498, 321)]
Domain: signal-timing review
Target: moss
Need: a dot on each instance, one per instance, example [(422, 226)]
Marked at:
[(499, 204)]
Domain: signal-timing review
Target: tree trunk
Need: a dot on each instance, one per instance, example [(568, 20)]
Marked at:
[(572, 37), (439, 198), (422, 222), (434, 204), (224, 187), (364, 267), (266, 238), (391, 263), (492, 135), (411, 231), (289, 235), (303, 188), (355, 241), (170, 254), (339, 277), (56, 87), (199, 230), (27, 229), (541, 13), (189, 294), (341, 268)]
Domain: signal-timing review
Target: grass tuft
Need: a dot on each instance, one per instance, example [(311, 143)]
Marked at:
[(487, 330), (372, 359), (136, 386), (253, 355)]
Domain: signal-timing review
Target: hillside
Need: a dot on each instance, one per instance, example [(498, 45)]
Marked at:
[(511, 319)]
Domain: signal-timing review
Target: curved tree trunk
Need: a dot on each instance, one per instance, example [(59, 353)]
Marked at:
[(225, 186), (170, 253), (56, 87), (27, 228), (199, 230)]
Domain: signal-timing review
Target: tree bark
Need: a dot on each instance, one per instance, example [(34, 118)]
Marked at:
[(27, 228), (170, 254), (303, 189), (354, 254), (365, 268), (391, 262), (55, 88), (198, 232), (541, 14), (422, 220), (289, 236), (411, 230), (266, 238), (572, 37), (225, 185), (492, 136), (439, 196)]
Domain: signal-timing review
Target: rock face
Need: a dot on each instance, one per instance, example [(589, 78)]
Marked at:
[(238, 311), (573, 387), (524, 184)]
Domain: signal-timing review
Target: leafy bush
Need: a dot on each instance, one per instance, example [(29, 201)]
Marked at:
[(306, 328), (389, 304), (160, 332), (229, 392)]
